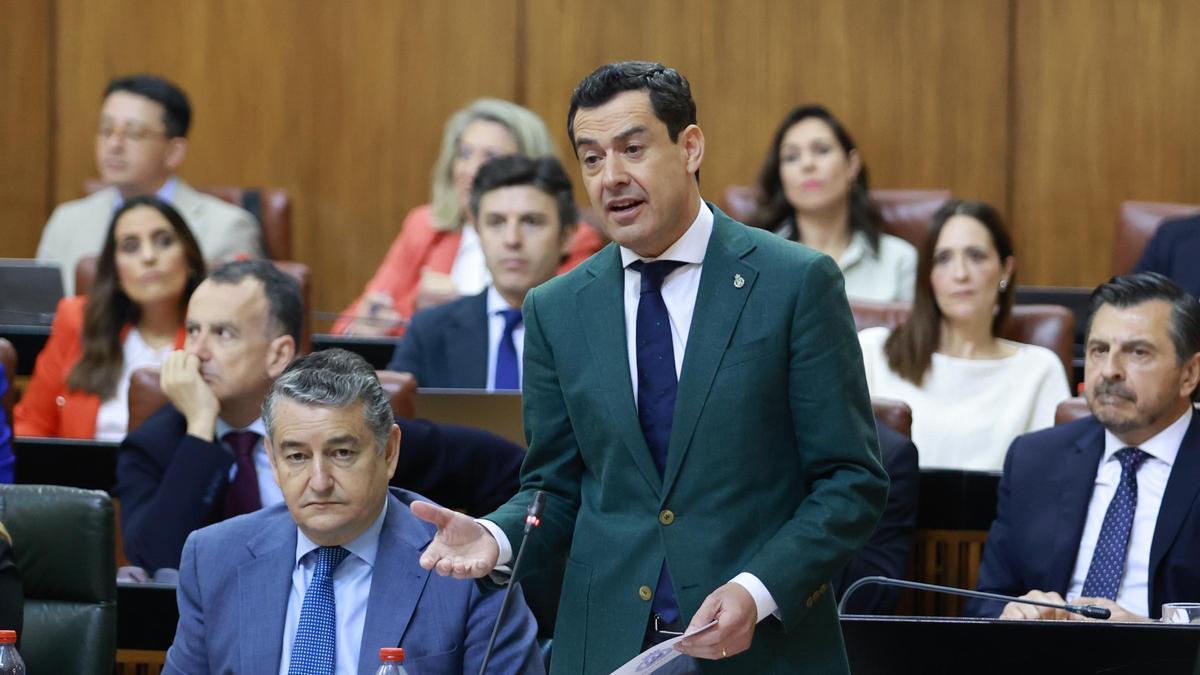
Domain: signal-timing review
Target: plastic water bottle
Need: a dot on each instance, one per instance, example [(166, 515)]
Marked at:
[(10, 660), (391, 661)]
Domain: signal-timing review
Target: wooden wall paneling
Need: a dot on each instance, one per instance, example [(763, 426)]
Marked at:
[(919, 83), (340, 103), (1106, 111), (25, 141)]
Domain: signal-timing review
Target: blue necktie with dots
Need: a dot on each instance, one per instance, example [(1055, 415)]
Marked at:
[(1108, 560), (314, 651), (657, 387), (508, 371)]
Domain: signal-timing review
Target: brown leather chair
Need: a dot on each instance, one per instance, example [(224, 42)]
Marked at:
[(1071, 409), (8, 359), (272, 207), (906, 213), (146, 394), (895, 414), (1136, 224), (1049, 326)]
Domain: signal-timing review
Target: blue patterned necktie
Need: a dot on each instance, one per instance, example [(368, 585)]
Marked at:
[(1108, 560), (508, 372), (657, 387), (314, 650)]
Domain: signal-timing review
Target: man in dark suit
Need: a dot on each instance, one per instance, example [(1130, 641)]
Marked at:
[(697, 416), (525, 217), (320, 583), (1173, 252), (1104, 510), (202, 459)]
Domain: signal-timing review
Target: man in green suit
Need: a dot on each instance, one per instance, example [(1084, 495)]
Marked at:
[(731, 487)]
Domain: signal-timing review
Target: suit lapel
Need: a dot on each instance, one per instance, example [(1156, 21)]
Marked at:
[(1077, 477), (263, 587), (1178, 498), (467, 341), (396, 584), (719, 303), (188, 201), (602, 313)]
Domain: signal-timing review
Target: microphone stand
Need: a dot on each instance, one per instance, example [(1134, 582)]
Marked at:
[(533, 518), (1090, 611)]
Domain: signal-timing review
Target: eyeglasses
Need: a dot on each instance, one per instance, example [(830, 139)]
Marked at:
[(133, 134)]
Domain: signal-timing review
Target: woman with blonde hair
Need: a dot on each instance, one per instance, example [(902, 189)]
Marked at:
[(437, 255)]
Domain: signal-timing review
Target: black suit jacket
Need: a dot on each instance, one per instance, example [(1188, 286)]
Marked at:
[(1173, 252), (170, 483), (447, 346), (1041, 509), (886, 552)]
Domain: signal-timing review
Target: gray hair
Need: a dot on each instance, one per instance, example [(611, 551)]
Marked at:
[(334, 378)]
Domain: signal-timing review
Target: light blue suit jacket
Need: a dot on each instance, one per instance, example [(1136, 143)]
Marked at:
[(235, 578)]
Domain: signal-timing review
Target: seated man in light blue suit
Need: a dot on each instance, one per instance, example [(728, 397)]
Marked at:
[(320, 586)]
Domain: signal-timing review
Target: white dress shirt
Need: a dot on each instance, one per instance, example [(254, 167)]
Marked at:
[(1152, 478), (469, 272), (679, 291), (268, 492), (351, 590), (495, 305), (112, 419)]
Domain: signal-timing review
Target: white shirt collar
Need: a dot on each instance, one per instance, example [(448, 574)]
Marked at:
[(496, 302), (365, 545), (689, 247), (257, 426), (855, 251), (1163, 446)]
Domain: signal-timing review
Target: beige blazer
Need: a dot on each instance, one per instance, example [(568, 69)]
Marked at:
[(76, 229)]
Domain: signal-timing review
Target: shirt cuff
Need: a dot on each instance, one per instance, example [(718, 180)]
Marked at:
[(762, 597), (502, 571)]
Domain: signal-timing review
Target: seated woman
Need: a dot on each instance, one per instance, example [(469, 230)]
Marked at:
[(437, 256), (814, 190), (132, 319), (971, 393), (12, 597)]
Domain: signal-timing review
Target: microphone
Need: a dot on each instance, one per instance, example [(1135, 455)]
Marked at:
[(533, 518), (1090, 611)]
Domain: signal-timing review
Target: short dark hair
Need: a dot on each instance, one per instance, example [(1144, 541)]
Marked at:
[(670, 93), (281, 289), (177, 112), (1134, 289), (544, 173)]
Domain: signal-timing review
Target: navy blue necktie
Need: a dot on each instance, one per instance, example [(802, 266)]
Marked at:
[(657, 386), (1108, 560), (508, 372), (242, 496), (314, 651)]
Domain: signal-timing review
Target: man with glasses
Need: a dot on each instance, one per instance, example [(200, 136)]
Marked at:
[(140, 143)]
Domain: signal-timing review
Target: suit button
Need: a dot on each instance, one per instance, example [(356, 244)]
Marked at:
[(666, 517), (808, 602), (645, 593)]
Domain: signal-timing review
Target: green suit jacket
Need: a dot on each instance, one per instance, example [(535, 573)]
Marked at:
[(773, 466)]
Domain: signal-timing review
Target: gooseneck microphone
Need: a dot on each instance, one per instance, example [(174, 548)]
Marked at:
[(533, 518), (1090, 611)]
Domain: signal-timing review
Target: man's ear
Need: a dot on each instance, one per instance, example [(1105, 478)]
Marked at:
[(566, 237), (1189, 377), (392, 452), (279, 354), (176, 152), (692, 140)]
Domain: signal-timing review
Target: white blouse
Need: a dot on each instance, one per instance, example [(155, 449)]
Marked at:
[(968, 411), (113, 416), (886, 275)]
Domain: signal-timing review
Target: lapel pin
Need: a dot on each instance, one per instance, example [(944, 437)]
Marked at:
[(738, 281)]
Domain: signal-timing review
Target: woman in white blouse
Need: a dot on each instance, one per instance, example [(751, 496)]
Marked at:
[(971, 392), (131, 318), (814, 190)]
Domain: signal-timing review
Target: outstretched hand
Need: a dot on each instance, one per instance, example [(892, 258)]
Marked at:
[(733, 608), (462, 548)]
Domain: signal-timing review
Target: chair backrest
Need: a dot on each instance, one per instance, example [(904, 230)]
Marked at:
[(63, 541), (896, 414), (1136, 224), (272, 207), (905, 213), (8, 359), (146, 394), (1071, 409), (1049, 326)]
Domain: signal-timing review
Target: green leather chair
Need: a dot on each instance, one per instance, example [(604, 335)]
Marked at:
[(63, 540)]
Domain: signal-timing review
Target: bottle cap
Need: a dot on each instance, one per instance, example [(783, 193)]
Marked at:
[(8, 637), (391, 654)]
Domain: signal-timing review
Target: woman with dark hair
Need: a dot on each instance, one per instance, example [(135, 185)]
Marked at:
[(132, 319), (970, 391), (814, 190), (12, 596)]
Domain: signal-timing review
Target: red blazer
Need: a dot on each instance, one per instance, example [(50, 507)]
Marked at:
[(47, 407), (419, 245)]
